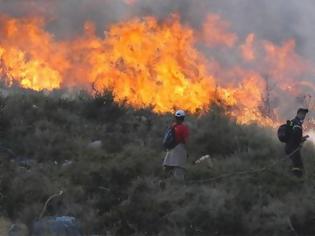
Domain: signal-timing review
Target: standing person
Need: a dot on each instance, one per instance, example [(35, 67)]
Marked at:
[(175, 159), (294, 145)]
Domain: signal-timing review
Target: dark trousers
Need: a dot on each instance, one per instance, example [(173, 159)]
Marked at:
[(297, 162)]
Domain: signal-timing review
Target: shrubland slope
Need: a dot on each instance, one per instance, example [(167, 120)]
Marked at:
[(113, 188)]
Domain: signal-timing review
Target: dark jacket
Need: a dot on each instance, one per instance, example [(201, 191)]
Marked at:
[(296, 137)]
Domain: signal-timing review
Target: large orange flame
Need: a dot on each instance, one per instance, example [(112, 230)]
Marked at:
[(147, 63), (29, 55), (151, 64)]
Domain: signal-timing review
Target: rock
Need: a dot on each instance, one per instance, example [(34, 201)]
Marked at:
[(24, 162), (57, 226), (67, 163), (144, 119), (95, 144)]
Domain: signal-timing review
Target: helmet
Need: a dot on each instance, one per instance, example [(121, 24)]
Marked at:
[(180, 113), (302, 110)]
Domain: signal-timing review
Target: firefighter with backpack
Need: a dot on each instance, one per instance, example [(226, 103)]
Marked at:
[(174, 142), (291, 134)]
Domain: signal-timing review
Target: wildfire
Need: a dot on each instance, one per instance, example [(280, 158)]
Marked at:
[(130, 2), (247, 49), (158, 64), (216, 32), (29, 55), (148, 64)]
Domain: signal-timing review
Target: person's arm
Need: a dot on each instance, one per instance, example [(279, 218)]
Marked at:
[(297, 135), (305, 138)]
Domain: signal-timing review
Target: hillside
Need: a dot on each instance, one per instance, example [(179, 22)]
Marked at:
[(106, 158)]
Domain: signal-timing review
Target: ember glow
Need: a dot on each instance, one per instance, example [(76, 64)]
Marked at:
[(160, 64)]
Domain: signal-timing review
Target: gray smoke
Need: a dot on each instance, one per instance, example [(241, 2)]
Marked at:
[(275, 20)]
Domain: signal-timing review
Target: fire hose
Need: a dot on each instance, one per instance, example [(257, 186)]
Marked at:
[(248, 172)]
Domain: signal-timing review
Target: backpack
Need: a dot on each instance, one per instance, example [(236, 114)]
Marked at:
[(285, 131), (169, 140)]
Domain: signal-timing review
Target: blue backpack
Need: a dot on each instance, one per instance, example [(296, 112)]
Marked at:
[(169, 140)]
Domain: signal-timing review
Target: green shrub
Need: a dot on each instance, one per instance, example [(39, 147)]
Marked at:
[(115, 188)]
